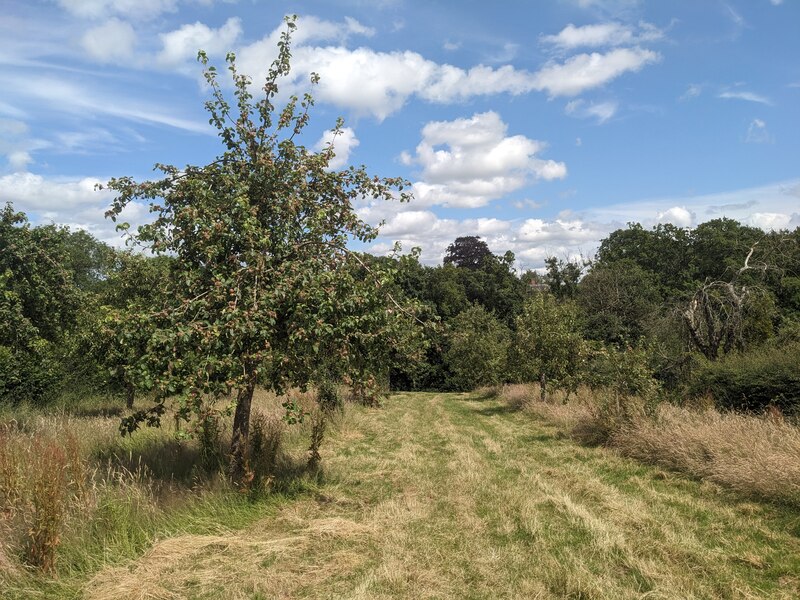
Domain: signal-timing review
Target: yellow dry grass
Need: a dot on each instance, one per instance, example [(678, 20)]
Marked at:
[(456, 496)]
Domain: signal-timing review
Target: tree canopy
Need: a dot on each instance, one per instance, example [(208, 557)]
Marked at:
[(263, 286)]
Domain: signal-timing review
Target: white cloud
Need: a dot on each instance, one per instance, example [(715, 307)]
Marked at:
[(134, 9), (16, 145), (19, 159), (470, 162), (68, 201), (770, 221), (114, 41), (587, 71), (31, 192), (776, 2), (603, 34), (343, 145), (693, 91), (181, 45), (757, 133), (66, 96), (385, 81), (747, 96), (575, 234), (677, 215), (602, 111), (528, 204)]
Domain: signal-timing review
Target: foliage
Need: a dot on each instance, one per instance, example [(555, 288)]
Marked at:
[(548, 347), (753, 380), (40, 305), (263, 285), (477, 349), (618, 300), (467, 252), (664, 251), (624, 372), (563, 277)]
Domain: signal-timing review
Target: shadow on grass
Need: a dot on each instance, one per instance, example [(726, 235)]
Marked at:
[(171, 461)]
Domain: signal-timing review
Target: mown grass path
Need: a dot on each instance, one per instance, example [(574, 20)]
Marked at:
[(454, 496)]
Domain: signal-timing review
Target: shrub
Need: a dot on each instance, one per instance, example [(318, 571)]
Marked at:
[(328, 396), (478, 345), (754, 380)]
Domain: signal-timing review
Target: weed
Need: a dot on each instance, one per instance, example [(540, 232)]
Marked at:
[(266, 437), (318, 424)]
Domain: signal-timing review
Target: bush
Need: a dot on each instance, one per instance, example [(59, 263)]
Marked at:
[(754, 380), (478, 345)]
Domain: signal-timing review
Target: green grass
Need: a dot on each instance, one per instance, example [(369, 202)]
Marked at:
[(454, 496)]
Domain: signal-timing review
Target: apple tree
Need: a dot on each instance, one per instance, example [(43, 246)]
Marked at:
[(263, 288)]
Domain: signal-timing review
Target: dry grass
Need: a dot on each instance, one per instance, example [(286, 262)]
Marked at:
[(75, 495), (456, 496), (758, 456)]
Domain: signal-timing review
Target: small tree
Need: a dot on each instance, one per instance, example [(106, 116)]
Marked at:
[(548, 347), (477, 349), (467, 252), (262, 285)]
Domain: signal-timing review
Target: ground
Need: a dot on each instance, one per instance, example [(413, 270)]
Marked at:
[(459, 496)]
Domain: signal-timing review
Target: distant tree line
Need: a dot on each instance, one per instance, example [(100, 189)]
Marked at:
[(714, 309)]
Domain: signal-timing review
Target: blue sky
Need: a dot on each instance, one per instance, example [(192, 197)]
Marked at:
[(540, 126)]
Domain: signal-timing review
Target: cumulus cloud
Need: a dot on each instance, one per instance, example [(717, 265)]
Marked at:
[(343, 145), (770, 221), (68, 201), (29, 191), (470, 162), (586, 71), (182, 44), (575, 234), (603, 34), (114, 41), (387, 80), (677, 215)]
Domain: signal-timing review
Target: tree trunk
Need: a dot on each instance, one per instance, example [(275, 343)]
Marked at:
[(130, 393), (241, 430), (543, 386)]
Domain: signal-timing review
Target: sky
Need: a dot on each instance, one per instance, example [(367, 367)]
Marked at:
[(540, 126)]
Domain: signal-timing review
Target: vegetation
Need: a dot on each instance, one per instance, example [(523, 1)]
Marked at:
[(241, 323), (451, 496)]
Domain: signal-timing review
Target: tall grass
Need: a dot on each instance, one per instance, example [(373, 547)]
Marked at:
[(756, 456), (75, 496)]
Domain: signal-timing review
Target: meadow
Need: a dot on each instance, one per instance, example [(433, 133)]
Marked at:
[(434, 495)]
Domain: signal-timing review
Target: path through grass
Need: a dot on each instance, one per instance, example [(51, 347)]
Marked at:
[(454, 496)]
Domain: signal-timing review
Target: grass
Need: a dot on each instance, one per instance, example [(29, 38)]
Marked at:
[(756, 455), (462, 496), (75, 497)]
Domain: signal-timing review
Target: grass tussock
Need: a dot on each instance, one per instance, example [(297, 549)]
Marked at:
[(757, 456)]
